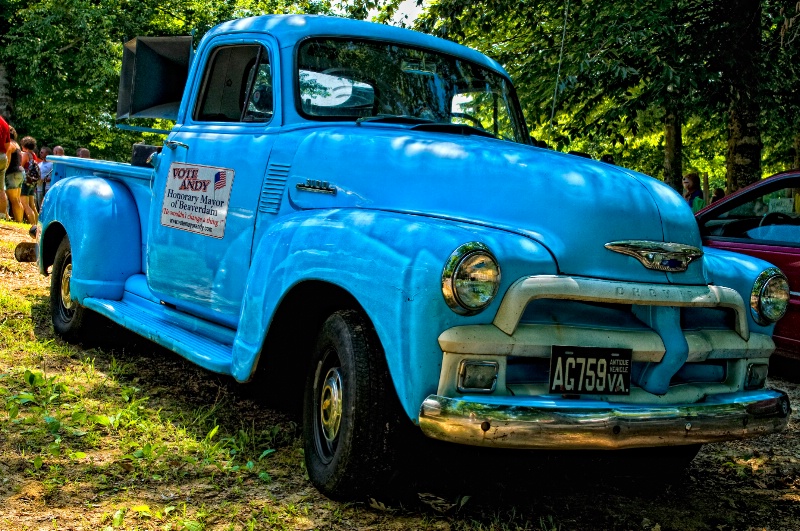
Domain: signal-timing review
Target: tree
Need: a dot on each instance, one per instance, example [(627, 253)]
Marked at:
[(624, 64), (65, 70), (6, 99), (781, 99), (620, 61), (63, 59), (741, 77)]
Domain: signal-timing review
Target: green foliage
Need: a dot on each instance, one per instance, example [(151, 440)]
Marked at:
[(621, 62), (624, 64), (63, 60), (781, 75), (66, 76)]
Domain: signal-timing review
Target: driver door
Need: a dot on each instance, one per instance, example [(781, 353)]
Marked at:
[(205, 197)]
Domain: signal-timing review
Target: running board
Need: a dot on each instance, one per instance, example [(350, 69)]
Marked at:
[(151, 321)]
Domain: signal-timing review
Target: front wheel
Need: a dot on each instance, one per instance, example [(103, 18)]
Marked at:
[(351, 413), (69, 318)]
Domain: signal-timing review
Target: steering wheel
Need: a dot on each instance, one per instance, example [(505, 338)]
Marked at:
[(475, 122), (776, 218), (338, 71)]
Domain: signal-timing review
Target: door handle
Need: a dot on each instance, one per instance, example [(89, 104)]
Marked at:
[(172, 144)]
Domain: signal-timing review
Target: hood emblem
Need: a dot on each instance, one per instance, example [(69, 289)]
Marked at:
[(660, 256), (320, 187)]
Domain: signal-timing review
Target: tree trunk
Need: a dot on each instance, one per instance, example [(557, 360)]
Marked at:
[(744, 144), (673, 150), (796, 161), (6, 103), (744, 76)]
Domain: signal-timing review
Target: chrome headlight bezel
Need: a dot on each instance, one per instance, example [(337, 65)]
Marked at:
[(464, 253), (764, 282)]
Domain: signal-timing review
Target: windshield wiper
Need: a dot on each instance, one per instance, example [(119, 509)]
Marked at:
[(459, 129), (423, 124), (395, 119)]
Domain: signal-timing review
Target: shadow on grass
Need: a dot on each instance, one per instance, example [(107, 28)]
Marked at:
[(608, 490), (181, 388), (177, 385)]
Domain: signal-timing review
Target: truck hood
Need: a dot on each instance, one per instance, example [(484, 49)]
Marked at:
[(571, 205)]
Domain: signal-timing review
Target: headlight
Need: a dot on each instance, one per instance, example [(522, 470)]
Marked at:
[(770, 296), (470, 278)]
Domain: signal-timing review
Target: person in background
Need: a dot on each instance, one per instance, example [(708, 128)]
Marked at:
[(58, 151), (692, 192), (5, 144), (12, 146), (718, 194), (84, 153), (45, 169), (14, 177), (28, 194)]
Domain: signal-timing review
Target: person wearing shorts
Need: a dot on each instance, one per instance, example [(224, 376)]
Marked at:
[(14, 177), (5, 144), (28, 193), (3, 200)]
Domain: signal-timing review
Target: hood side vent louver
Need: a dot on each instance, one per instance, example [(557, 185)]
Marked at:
[(274, 185)]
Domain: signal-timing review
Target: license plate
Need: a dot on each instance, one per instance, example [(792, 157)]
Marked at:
[(590, 371)]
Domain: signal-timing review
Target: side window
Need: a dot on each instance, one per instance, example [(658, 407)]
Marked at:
[(237, 86), (259, 103), (485, 110), (773, 217)]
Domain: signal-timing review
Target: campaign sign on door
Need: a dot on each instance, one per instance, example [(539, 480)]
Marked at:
[(196, 199)]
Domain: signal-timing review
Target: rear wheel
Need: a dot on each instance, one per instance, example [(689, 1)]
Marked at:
[(70, 319), (351, 413)]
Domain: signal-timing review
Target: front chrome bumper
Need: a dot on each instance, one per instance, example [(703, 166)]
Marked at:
[(558, 423)]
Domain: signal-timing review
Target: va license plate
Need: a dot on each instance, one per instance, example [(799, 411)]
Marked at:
[(590, 370)]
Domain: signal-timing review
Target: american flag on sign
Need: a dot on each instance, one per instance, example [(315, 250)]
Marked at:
[(219, 180)]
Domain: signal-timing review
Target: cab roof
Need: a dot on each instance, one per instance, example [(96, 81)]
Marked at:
[(289, 29)]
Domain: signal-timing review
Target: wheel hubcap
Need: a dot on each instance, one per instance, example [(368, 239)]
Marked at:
[(66, 299), (330, 405)]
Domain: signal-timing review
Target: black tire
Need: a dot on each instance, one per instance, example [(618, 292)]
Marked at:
[(70, 320), (351, 418)]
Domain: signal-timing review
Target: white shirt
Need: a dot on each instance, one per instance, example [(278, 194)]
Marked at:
[(45, 168)]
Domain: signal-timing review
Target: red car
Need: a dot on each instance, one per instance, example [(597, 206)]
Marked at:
[(763, 220)]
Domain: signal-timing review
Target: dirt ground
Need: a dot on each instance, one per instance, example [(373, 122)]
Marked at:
[(747, 485)]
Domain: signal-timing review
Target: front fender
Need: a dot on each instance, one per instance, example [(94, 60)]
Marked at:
[(392, 265), (100, 218), (737, 271)]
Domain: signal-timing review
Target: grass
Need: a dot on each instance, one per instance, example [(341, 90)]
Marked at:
[(120, 434), (78, 418)]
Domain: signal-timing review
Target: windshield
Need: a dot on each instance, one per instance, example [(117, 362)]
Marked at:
[(345, 79)]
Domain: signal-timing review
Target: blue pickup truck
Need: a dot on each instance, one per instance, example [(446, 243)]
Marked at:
[(356, 212)]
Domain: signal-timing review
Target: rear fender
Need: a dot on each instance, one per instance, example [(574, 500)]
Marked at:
[(100, 218)]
